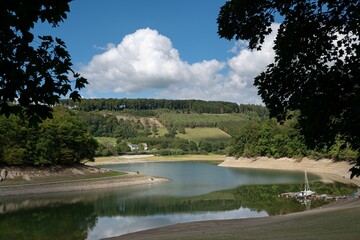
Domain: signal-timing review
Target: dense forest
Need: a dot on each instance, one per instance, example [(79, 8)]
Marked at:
[(185, 106)]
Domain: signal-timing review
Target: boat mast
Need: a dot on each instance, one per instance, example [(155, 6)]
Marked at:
[(307, 186)]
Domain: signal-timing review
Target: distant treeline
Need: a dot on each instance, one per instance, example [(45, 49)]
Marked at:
[(185, 106)]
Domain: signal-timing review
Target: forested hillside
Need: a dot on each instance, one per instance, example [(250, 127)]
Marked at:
[(69, 137), (162, 124), (186, 106), (169, 131)]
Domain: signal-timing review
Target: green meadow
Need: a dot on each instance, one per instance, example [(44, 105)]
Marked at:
[(204, 134)]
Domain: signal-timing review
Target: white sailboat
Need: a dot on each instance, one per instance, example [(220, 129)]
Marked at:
[(307, 191)]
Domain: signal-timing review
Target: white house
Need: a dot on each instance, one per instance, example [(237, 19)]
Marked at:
[(133, 147)]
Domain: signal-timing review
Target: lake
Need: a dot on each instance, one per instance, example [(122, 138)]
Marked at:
[(196, 191)]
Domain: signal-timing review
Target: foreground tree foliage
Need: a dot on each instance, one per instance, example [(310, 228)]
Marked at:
[(34, 71), (316, 68), (61, 140)]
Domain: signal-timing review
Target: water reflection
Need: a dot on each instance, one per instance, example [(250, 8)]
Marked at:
[(63, 221), (108, 227), (195, 193), (195, 178), (94, 215)]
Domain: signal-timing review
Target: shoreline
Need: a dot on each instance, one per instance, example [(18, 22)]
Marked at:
[(80, 185), (125, 159), (327, 169), (286, 226), (37, 187)]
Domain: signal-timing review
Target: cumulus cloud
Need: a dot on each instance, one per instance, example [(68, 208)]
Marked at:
[(147, 60), (107, 47)]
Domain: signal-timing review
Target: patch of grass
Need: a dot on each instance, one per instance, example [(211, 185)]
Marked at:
[(162, 131), (204, 134), (106, 140)]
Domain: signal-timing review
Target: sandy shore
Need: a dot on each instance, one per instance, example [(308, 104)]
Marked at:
[(327, 169)]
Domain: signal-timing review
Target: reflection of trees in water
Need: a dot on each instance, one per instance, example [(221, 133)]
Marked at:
[(72, 215), (53, 221), (20, 203), (255, 197), (165, 205)]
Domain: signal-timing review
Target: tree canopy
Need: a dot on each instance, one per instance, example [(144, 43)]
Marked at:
[(34, 72), (316, 67), (63, 139), (190, 105)]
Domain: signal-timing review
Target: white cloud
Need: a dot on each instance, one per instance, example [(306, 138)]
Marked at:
[(143, 60), (107, 47), (146, 60)]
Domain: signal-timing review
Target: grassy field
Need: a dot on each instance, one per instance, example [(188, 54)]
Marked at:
[(106, 140), (192, 134), (162, 131), (204, 134)]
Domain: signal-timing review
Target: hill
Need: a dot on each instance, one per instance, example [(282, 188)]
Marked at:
[(196, 126)]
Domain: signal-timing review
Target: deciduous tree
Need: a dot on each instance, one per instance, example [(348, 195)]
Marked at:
[(35, 71), (316, 67)]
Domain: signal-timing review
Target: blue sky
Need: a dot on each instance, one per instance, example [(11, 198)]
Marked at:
[(158, 49)]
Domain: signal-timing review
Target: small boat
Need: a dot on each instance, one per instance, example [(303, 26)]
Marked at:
[(307, 191)]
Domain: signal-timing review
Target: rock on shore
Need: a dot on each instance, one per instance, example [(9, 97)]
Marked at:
[(3, 174)]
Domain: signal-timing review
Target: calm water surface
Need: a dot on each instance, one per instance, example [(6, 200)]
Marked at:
[(188, 196), (195, 178)]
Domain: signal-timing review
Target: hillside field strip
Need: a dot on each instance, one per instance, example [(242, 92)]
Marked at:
[(204, 134)]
